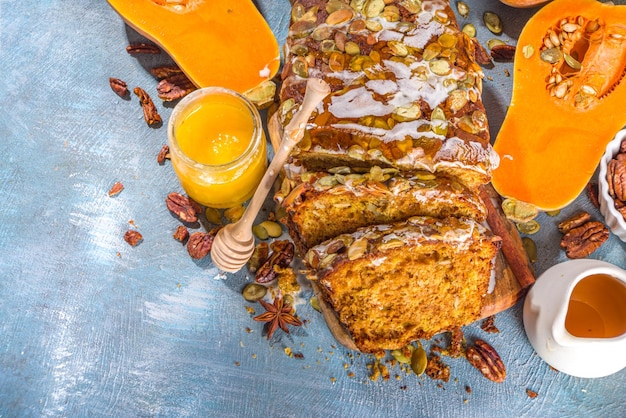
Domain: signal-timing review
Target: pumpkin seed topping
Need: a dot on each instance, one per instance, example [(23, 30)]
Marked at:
[(531, 248), (463, 8), (469, 30), (528, 51), (573, 63), (551, 55), (530, 227), (419, 360), (493, 22)]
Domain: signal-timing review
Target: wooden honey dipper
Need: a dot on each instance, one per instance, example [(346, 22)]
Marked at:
[(234, 244)]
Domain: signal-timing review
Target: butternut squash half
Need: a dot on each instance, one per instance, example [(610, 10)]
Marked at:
[(215, 42), (569, 93)]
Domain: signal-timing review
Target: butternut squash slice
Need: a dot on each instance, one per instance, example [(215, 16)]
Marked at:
[(568, 99), (215, 43)]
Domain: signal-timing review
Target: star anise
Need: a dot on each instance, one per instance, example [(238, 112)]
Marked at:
[(277, 315)]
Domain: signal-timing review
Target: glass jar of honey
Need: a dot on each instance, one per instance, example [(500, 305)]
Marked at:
[(217, 146)]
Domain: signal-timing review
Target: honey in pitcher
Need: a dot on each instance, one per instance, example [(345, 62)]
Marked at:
[(597, 308)]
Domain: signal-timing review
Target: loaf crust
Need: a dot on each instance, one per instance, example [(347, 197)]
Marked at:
[(406, 89)]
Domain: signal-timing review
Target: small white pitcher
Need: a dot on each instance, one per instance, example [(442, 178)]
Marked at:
[(575, 317)]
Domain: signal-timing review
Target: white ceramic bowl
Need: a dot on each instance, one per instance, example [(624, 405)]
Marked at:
[(613, 218)]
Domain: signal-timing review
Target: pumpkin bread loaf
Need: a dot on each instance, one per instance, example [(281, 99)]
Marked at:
[(381, 194)]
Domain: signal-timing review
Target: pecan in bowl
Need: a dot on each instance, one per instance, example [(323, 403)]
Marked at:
[(612, 185)]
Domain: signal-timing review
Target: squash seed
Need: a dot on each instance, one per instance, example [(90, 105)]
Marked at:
[(235, 213), (572, 62), (262, 96), (553, 213), (494, 42), (419, 361), (469, 30), (528, 51), (253, 292), (273, 229), (352, 48), (373, 8), (400, 357), (531, 248), (339, 16), (213, 215), (412, 6), (493, 22), (519, 211), (462, 8), (357, 249), (440, 67), (551, 55), (315, 303), (530, 227), (260, 232)]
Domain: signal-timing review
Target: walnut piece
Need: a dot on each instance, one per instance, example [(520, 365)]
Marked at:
[(583, 240)]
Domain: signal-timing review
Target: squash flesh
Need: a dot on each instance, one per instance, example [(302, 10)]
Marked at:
[(215, 43), (549, 147)]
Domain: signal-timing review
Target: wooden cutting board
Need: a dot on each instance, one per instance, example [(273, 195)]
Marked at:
[(513, 270)]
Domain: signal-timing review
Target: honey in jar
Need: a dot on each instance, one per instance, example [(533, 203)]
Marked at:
[(217, 146)]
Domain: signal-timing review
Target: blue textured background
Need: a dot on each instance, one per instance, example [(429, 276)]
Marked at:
[(149, 332)]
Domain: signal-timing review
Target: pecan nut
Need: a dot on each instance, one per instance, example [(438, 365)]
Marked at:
[(174, 87), (132, 237), (480, 53), (281, 256), (119, 87), (486, 359), (574, 222), (200, 243), (116, 189), (592, 194), (142, 48), (616, 178), (503, 52), (164, 154), (150, 113), (583, 240), (181, 233), (182, 206), (165, 71)]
